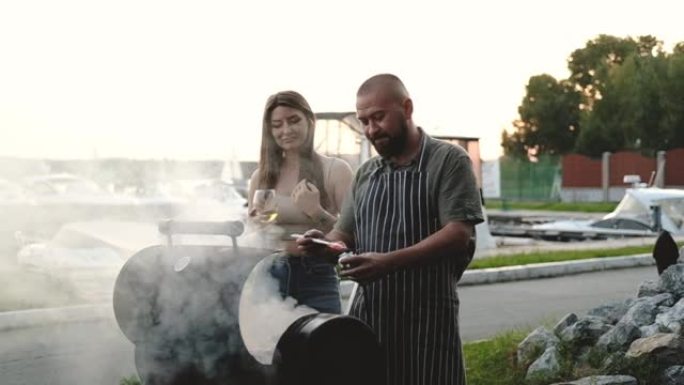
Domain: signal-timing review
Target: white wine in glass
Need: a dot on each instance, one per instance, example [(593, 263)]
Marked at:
[(265, 205)]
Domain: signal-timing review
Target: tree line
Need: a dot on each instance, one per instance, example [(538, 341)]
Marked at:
[(622, 94)]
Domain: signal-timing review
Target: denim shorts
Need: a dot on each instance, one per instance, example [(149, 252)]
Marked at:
[(309, 280)]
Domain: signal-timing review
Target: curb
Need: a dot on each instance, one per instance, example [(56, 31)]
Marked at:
[(552, 269), (83, 313), (539, 270)]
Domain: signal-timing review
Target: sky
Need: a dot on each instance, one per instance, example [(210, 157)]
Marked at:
[(156, 79)]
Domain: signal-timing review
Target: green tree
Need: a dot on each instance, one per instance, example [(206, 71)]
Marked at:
[(630, 113), (622, 94), (649, 46), (549, 119), (589, 66), (678, 48), (673, 98)]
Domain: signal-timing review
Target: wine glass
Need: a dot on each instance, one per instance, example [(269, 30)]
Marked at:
[(265, 205)]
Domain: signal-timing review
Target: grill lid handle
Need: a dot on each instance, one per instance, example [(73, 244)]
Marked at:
[(231, 229)]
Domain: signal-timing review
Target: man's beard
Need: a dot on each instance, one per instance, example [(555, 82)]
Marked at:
[(395, 144)]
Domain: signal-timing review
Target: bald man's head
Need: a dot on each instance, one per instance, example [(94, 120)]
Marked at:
[(388, 84)]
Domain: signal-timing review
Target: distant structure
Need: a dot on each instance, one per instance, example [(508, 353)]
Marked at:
[(340, 134)]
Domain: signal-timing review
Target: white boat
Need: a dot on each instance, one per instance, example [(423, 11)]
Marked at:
[(641, 212)]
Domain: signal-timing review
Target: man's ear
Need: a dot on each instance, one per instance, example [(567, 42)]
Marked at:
[(408, 108)]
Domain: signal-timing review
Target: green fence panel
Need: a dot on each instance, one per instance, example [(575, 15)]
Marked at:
[(526, 180)]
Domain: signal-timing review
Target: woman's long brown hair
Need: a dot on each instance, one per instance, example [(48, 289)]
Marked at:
[(310, 166)]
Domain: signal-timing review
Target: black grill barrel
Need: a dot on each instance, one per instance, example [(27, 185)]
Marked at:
[(184, 321), (184, 324), (328, 349)]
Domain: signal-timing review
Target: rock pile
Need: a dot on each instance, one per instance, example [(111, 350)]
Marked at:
[(635, 341)]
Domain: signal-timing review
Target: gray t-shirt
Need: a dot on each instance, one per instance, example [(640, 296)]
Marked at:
[(452, 184)]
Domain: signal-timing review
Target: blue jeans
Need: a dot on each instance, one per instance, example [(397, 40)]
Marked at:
[(309, 280)]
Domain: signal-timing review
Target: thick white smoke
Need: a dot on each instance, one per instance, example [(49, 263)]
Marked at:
[(264, 314)]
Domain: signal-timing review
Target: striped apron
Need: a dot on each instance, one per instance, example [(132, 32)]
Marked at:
[(414, 312)]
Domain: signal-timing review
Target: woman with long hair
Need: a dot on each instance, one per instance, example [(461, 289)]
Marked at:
[(309, 190)]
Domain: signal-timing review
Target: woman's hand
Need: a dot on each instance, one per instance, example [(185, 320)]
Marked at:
[(307, 198)]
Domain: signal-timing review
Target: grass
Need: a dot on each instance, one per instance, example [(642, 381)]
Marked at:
[(559, 256), (132, 380), (586, 207), (493, 361)]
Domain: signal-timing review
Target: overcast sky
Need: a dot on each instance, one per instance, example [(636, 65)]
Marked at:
[(188, 79)]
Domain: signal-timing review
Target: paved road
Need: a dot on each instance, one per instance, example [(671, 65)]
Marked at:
[(87, 353), (488, 309), (96, 353)]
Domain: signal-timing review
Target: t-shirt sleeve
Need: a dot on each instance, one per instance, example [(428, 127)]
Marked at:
[(458, 195), (345, 222)]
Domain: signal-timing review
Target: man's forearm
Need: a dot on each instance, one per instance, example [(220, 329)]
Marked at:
[(451, 240)]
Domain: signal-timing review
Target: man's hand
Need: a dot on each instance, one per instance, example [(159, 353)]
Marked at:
[(309, 244), (366, 266), (306, 244), (307, 198)]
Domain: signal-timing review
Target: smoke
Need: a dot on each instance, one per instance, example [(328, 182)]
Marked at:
[(186, 304), (264, 314), (63, 249), (71, 221)]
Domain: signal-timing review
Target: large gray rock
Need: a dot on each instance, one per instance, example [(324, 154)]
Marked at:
[(612, 361), (586, 331), (546, 366), (642, 313), (673, 319), (662, 299), (662, 348), (612, 311), (619, 337), (602, 380), (663, 309), (566, 321), (674, 375), (535, 344), (655, 328), (648, 288), (672, 280)]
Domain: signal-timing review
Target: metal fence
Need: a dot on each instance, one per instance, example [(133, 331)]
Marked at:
[(530, 180)]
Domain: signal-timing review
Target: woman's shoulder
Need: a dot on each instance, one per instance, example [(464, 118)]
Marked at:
[(334, 164), (255, 176), (335, 169)]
